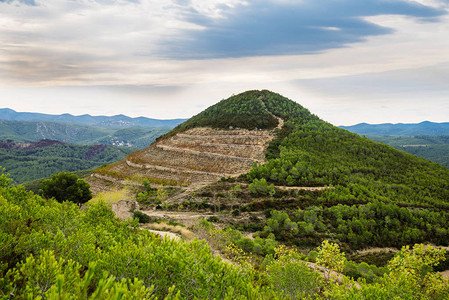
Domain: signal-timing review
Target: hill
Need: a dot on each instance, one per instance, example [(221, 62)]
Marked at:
[(428, 140), (33, 160), (224, 140), (431, 147), (33, 131), (101, 121), (331, 183), (423, 128)]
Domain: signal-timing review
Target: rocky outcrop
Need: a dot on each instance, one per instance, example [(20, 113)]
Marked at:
[(125, 206)]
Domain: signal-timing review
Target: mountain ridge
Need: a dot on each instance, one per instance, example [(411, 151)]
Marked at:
[(32, 131), (87, 119), (405, 129)]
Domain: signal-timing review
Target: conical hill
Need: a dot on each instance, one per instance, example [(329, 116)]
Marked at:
[(226, 139), (291, 147), (249, 110)]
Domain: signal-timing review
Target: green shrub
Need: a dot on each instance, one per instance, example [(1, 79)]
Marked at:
[(143, 218), (214, 219), (66, 186), (236, 212), (261, 187), (291, 277)]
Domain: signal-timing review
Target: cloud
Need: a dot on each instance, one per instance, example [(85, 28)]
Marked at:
[(405, 95), (265, 27), (152, 57), (27, 2)]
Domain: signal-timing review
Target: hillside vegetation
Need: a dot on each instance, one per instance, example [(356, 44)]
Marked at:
[(423, 128), (431, 147), (30, 161), (54, 250), (319, 191), (32, 131), (375, 188), (240, 111)]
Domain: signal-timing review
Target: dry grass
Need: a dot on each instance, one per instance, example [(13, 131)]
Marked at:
[(183, 232), (110, 197)]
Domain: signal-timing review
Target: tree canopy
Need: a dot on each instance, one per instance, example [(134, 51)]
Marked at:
[(66, 186)]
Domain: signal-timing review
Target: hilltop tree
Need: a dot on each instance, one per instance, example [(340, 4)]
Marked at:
[(66, 186)]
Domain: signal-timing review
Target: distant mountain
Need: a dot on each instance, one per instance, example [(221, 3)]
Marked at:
[(426, 139), (388, 129), (33, 160), (102, 121), (431, 147), (32, 131)]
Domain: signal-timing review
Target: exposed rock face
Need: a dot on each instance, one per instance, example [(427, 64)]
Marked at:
[(196, 155), (125, 206), (8, 144)]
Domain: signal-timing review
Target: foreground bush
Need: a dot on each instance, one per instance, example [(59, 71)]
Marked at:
[(51, 250)]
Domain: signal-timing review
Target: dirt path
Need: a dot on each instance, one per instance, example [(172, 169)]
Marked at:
[(388, 249), (281, 121), (376, 250), (303, 188), (169, 234), (187, 218)]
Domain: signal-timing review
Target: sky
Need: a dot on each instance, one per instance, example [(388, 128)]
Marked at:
[(347, 61)]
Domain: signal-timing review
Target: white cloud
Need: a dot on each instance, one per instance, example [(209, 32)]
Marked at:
[(81, 51)]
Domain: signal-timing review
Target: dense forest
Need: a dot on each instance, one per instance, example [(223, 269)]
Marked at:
[(375, 189), (54, 250), (36, 162), (431, 147), (400, 129), (32, 131), (239, 111)]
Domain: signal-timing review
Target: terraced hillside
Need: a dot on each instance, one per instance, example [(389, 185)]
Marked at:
[(196, 155), (211, 145)]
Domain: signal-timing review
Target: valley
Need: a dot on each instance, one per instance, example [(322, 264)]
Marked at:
[(27, 161), (34, 146)]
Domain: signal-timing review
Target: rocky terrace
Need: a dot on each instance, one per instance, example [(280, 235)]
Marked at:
[(193, 156)]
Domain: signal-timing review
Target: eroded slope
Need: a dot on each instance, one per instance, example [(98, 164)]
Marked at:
[(197, 155)]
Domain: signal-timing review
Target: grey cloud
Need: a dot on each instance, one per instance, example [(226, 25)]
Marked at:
[(425, 81), (268, 28), (27, 2)]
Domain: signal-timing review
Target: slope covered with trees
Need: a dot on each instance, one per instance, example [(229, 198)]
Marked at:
[(311, 152), (377, 195), (31, 161), (320, 186), (431, 147), (32, 131), (244, 110), (54, 250)]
